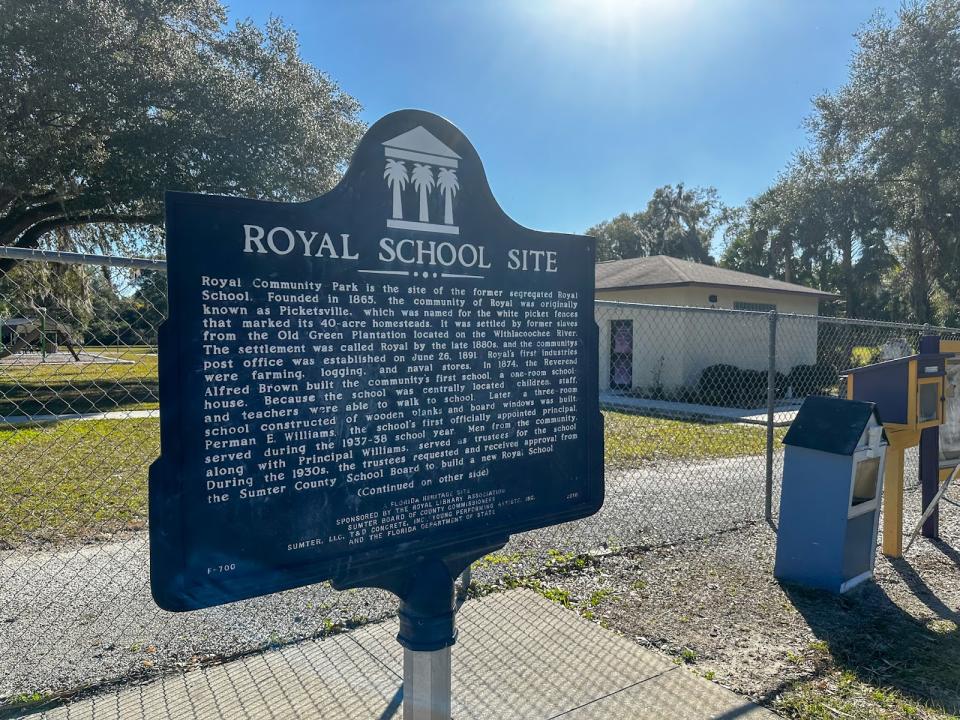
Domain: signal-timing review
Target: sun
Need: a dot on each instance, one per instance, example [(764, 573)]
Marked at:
[(614, 13)]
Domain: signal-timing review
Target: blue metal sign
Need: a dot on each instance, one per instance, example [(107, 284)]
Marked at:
[(392, 372)]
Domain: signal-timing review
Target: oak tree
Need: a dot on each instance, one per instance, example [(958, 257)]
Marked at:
[(108, 103)]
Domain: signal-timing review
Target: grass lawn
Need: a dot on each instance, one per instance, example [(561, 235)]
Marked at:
[(81, 387), (631, 439), (75, 479), (78, 479)]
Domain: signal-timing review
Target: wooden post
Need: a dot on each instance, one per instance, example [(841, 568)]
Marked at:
[(899, 440), (893, 501)]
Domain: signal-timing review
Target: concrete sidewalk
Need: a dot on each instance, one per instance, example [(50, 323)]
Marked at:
[(783, 415), (27, 420), (519, 656)]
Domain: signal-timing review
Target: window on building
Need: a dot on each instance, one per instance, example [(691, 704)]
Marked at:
[(755, 307), (621, 354)]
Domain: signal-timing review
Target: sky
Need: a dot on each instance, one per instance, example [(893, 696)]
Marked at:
[(581, 108)]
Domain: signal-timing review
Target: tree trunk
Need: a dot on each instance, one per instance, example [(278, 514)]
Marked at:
[(787, 258), (771, 254), (920, 285), (849, 288)]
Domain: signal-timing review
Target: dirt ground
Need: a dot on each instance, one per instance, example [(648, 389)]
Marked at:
[(887, 649)]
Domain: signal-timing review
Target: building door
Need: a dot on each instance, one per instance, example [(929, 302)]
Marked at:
[(621, 354)]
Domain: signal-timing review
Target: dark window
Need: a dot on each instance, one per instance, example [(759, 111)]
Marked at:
[(621, 354), (755, 307)]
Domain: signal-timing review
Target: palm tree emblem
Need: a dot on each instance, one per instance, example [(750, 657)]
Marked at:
[(423, 183), (448, 185), (396, 176), (418, 158)]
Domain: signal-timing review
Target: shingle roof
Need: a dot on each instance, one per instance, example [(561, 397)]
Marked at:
[(831, 425), (664, 271)]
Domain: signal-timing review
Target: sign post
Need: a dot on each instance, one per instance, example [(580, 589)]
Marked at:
[(427, 630), (426, 685), (376, 388)]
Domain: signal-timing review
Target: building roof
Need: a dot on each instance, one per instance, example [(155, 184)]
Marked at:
[(831, 425), (665, 271), (884, 364)]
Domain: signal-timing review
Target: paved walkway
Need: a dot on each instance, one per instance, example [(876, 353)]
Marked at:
[(36, 359), (519, 656), (21, 420), (782, 416)]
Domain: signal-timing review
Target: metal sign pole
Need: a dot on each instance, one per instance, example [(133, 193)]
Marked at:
[(426, 684), (427, 632)]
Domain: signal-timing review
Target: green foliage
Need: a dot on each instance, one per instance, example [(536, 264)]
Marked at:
[(598, 596), (560, 562), (676, 222), (557, 595), (812, 379), (129, 319), (107, 104), (28, 700), (868, 209), (494, 559), (730, 386), (64, 292), (864, 355), (898, 120)]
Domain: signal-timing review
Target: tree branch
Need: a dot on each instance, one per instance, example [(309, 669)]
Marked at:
[(31, 237), (75, 208), (13, 225), (7, 198)]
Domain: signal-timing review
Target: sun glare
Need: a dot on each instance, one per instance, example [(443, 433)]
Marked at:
[(621, 10), (623, 20)]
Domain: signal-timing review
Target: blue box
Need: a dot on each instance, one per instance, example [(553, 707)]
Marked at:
[(830, 499)]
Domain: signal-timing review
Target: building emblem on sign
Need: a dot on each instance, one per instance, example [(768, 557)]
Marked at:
[(434, 168)]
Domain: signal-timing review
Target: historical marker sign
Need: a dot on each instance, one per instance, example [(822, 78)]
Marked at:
[(366, 379)]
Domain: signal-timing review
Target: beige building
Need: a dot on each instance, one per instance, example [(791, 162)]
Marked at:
[(657, 344)]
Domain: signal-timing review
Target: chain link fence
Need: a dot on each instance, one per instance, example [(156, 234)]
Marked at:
[(695, 402)]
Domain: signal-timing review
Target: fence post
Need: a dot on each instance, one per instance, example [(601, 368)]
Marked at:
[(43, 334), (771, 410)]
